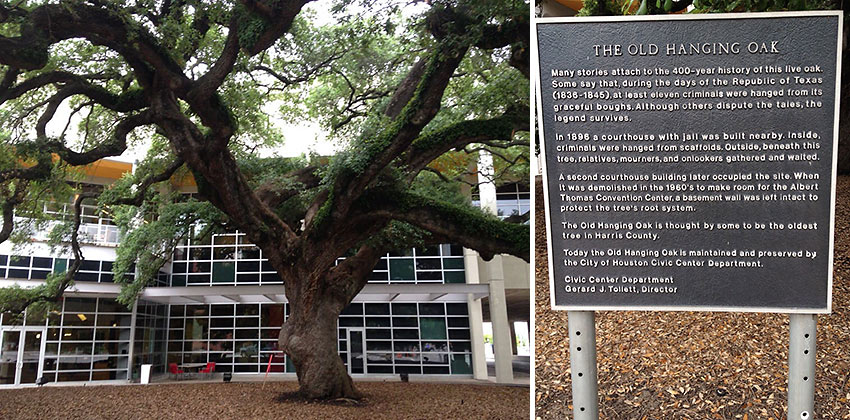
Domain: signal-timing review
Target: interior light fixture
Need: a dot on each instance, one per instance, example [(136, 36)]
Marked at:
[(82, 317)]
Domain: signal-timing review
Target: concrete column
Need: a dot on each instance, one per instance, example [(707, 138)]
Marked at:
[(476, 316), (501, 331), (486, 187), (130, 352)]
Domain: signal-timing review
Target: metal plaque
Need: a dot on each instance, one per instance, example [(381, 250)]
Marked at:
[(690, 160)]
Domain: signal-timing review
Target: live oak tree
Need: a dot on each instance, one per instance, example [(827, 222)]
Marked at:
[(408, 92)]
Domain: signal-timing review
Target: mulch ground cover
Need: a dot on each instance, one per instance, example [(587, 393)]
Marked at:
[(695, 365), (251, 401)]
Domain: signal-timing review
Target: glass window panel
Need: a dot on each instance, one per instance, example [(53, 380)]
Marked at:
[(402, 253), (19, 261), (180, 254), (457, 308), (105, 334), (453, 263), (249, 253), (459, 334), (224, 253), (50, 349), (401, 269), (77, 320), (178, 281), (176, 310), (247, 278), (179, 268), (414, 370), (197, 310), (60, 266), (81, 276), (377, 321), (75, 348), (112, 305), (381, 265), (460, 346), (429, 276), (458, 322), (270, 278), (90, 265), (221, 323), (224, 272), (200, 253), (41, 262), (224, 240), (378, 333), (428, 264), (404, 308), (432, 328), (18, 274), (3, 259), (199, 267), (431, 309), (77, 334), (111, 347), (428, 251), (435, 358), (461, 364), (247, 309), (248, 334), (248, 266), (377, 309), (378, 368), (272, 315), (353, 309), (405, 334), (350, 321), (39, 274), (198, 279), (221, 310), (247, 322), (378, 345), (381, 276), (53, 334), (106, 278), (404, 322), (72, 376), (267, 266)]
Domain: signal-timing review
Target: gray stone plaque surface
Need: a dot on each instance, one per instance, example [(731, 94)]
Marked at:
[(690, 160)]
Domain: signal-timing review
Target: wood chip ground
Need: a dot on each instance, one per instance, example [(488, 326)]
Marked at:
[(213, 401), (695, 365)]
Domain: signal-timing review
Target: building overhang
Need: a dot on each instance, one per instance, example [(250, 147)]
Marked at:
[(372, 292)]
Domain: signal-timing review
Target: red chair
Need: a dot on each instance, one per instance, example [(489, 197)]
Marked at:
[(172, 369), (209, 369)]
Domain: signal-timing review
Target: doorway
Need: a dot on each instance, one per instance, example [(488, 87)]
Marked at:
[(356, 351), (21, 355)]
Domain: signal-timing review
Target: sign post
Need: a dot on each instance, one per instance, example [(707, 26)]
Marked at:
[(801, 367), (690, 165), (582, 328)]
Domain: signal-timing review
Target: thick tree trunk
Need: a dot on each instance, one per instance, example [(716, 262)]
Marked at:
[(309, 338)]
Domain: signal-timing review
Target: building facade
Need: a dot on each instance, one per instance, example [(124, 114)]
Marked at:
[(218, 301)]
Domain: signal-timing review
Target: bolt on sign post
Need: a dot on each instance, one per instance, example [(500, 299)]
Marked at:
[(690, 165)]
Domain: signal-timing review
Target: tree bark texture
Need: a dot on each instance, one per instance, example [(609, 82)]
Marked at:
[(309, 338)]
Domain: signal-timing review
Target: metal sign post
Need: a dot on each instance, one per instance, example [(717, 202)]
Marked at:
[(582, 328), (801, 367)]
